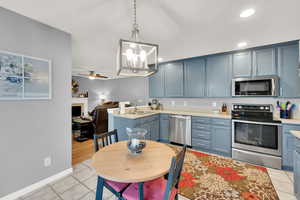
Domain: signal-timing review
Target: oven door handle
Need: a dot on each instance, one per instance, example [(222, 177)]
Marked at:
[(252, 122)]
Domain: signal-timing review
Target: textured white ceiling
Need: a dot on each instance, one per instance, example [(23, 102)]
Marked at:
[(182, 28)]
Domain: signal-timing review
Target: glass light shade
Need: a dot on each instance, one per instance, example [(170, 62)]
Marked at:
[(137, 58)]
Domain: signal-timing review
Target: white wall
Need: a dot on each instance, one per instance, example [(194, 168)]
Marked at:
[(205, 104), (125, 89), (33, 130)]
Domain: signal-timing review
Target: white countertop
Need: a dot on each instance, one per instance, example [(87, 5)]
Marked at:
[(149, 112), (174, 112), (296, 134)]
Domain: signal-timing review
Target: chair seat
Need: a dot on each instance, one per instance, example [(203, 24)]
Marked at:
[(117, 186), (153, 190)]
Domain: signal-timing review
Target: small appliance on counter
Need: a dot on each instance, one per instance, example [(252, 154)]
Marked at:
[(154, 104), (285, 109), (122, 106), (256, 136)]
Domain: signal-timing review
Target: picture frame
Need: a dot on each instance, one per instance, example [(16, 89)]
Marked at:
[(24, 77)]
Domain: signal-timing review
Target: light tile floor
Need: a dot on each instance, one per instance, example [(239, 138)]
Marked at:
[(81, 185)]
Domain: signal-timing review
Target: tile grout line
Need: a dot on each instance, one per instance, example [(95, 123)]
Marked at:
[(55, 192)]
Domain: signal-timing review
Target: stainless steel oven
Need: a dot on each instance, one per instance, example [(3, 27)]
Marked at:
[(256, 86), (262, 137), (256, 137)]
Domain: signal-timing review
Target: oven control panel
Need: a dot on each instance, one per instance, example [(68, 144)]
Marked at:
[(248, 107)]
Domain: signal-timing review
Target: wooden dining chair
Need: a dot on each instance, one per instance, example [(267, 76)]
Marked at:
[(105, 139), (159, 189)]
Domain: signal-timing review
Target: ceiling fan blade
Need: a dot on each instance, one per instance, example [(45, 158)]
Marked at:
[(100, 76)]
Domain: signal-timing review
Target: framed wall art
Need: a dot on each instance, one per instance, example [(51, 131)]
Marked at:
[(24, 77)]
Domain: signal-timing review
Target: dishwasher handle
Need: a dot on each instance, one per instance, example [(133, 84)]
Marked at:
[(180, 116)]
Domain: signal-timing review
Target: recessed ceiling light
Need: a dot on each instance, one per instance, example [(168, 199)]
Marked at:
[(160, 59), (247, 13), (242, 44)]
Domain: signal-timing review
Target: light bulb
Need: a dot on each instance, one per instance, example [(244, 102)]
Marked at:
[(129, 54), (247, 13), (242, 44), (132, 45), (143, 55), (91, 77)]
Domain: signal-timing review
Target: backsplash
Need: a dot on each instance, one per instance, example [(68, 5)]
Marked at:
[(206, 104)]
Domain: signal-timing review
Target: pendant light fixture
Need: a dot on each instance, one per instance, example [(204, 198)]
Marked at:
[(136, 58)]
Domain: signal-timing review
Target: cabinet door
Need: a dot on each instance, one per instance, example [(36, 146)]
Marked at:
[(147, 126), (218, 73), (264, 62), (156, 84), (154, 129), (221, 139), (194, 78), (288, 151), (242, 64), (297, 174), (164, 128), (288, 60), (174, 79)]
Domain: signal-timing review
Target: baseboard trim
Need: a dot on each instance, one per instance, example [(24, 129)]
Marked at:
[(37, 185)]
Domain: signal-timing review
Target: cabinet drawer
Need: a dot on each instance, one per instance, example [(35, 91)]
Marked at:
[(199, 126), (203, 120), (201, 143), (221, 122), (201, 134)]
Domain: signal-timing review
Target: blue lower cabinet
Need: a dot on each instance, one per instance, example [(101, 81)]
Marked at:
[(221, 140), (297, 173), (121, 124), (154, 130), (164, 127), (151, 124), (288, 146), (212, 135)]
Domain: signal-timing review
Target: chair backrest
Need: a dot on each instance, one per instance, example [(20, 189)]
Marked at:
[(174, 173), (105, 139), (100, 117)]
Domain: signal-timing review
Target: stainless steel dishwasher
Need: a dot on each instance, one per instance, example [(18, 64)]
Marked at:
[(180, 129)]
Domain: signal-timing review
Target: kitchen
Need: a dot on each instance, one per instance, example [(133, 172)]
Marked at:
[(259, 91), (170, 99)]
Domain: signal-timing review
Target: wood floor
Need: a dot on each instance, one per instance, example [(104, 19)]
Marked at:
[(82, 151)]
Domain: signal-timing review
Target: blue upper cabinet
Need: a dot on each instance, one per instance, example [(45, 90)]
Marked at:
[(288, 61), (218, 76), (264, 62), (173, 79), (194, 78), (242, 64), (156, 83)]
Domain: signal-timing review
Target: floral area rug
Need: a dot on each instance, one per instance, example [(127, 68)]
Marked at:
[(210, 177)]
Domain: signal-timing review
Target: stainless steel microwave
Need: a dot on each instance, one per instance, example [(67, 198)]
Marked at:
[(256, 86)]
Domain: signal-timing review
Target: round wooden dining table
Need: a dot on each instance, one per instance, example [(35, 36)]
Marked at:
[(116, 163)]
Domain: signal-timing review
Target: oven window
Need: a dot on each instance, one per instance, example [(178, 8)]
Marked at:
[(257, 87), (256, 135)]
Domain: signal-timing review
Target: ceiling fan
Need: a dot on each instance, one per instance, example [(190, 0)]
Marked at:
[(92, 75)]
